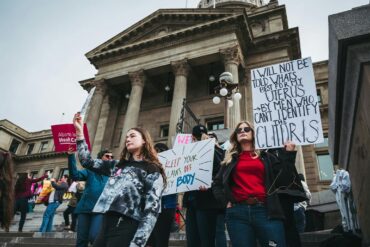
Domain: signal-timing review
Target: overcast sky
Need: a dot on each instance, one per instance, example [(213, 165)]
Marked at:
[(43, 45)]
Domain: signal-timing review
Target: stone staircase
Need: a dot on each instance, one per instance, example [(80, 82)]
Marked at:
[(34, 219), (58, 238)]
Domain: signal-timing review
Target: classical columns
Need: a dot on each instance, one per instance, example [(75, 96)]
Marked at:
[(102, 125), (231, 58), (93, 116), (181, 71), (137, 79), (114, 105)]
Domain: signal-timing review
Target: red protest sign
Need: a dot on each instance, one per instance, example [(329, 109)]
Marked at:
[(64, 136)]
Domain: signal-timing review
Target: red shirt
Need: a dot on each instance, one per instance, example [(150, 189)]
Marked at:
[(249, 178)]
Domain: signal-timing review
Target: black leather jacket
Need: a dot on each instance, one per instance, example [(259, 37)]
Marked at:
[(223, 182)]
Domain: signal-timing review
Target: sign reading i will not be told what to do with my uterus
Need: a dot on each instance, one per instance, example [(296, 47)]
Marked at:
[(188, 167), (285, 104)]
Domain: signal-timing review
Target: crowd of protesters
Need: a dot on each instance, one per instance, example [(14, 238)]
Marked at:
[(256, 194)]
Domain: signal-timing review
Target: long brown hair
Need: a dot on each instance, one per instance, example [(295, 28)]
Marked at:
[(235, 147), (7, 188), (148, 152)]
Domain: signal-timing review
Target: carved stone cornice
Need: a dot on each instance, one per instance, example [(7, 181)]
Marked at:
[(37, 156), (137, 78), (231, 55), (100, 87), (181, 67)]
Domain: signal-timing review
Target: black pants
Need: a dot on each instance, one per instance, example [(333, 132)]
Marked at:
[(116, 232), (161, 232), (291, 232), (21, 205), (201, 226), (66, 213)]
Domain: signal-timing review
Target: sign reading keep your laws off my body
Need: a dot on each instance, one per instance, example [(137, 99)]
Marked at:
[(188, 167), (285, 104)]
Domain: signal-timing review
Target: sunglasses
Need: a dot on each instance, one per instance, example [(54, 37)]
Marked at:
[(108, 156), (245, 129)]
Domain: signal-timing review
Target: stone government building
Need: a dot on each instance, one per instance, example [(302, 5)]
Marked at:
[(146, 71)]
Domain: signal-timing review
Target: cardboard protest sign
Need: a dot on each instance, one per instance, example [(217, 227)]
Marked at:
[(188, 166), (182, 139), (64, 136), (285, 104)]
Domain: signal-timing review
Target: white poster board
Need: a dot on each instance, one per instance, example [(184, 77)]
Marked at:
[(285, 104), (188, 167)]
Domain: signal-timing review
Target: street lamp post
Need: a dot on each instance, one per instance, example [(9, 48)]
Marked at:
[(228, 90)]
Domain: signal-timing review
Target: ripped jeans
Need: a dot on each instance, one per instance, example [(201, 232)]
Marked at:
[(246, 224)]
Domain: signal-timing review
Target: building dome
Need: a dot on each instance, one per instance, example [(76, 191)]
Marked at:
[(230, 3)]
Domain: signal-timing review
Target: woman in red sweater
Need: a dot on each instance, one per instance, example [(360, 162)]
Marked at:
[(22, 194), (245, 183)]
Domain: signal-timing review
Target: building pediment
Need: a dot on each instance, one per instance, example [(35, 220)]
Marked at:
[(159, 26)]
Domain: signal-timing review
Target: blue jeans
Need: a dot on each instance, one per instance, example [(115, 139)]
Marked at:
[(48, 217), (88, 228), (201, 227), (246, 224)]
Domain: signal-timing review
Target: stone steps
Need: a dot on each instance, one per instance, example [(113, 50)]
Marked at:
[(58, 239), (30, 236)]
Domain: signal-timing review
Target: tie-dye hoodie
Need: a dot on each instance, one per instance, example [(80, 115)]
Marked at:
[(134, 189)]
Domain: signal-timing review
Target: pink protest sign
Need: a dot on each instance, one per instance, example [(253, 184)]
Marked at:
[(64, 136)]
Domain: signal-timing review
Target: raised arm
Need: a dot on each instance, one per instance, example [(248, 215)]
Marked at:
[(76, 175), (153, 194), (103, 167), (62, 186), (35, 180), (95, 165)]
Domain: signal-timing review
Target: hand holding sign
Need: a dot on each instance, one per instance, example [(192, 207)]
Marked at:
[(289, 145), (78, 123)]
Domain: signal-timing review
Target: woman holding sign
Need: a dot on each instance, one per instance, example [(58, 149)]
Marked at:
[(245, 183), (130, 200)]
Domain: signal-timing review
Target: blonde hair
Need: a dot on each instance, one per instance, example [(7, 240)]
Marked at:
[(235, 147)]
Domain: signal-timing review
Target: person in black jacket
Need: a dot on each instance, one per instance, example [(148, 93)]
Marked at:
[(290, 191), (246, 185), (202, 208)]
